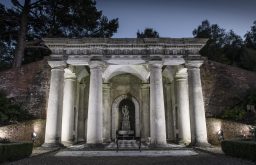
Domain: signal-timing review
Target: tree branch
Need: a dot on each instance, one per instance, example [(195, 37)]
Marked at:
[(17, 3)]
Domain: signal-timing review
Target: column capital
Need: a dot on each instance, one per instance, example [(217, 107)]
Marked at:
[(194, 64), (69, 73), (96, 64), (155, 64), (181, 74), (57, 64)]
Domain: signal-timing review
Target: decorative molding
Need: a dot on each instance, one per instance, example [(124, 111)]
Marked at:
[(113, 48)]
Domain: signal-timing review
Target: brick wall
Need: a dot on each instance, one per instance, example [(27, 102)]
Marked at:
[(23, 131), (28, 86), (224, 86), (231, 130)]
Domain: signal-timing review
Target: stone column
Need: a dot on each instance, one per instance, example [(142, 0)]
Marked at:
[(95, 120), (197, 103), (81, 114), (106, 113), (169, 114), (67, 133), (54, 109), (145, 112), (183, 106), (157, 113)]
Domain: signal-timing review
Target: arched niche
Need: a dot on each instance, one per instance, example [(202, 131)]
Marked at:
[(115, 114)]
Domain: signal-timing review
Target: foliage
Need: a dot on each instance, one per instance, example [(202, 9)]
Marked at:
[(148, 33), (11, 112), (248, 59), (15, 151), (239, 112), (239, 148), (4, 140), (33, 20), (235, 114), (227, 47), (250, 37)]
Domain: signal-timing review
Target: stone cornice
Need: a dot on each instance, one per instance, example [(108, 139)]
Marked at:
[(86, 49)]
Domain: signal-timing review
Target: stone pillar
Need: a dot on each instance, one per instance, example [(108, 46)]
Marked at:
[(157, 113), (95, 119), (68, 118), (183, 106), (169, 113), (197, 103), (145, 112), (81, 114), (106, 113), (54, 109)]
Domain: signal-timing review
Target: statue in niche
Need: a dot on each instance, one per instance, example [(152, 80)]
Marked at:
[(125, 120)]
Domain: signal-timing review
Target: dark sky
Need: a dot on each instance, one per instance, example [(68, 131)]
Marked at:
[(177, 18)]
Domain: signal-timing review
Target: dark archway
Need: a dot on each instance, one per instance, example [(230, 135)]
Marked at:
[(131, 108)]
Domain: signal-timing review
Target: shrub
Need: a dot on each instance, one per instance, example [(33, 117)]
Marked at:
[(240, 148), (11, 112), (4, 140), (15, 151), (236, 114)]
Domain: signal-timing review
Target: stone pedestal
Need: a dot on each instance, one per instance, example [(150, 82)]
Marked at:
[(157, 113), (54, 109), (95, 114), (197, 103), (183, 106), (67, 133)]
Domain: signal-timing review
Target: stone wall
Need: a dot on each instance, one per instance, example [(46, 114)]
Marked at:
[(231, 130), (224, 86), (28, 86), (23, 131)]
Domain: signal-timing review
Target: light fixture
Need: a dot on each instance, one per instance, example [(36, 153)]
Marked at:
[(33, 136), (220, 134)]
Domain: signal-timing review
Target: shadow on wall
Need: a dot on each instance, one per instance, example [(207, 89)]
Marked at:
[(23, 131), (231, 130)]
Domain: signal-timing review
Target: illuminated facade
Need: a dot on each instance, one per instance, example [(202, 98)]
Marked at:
[(157, 80)]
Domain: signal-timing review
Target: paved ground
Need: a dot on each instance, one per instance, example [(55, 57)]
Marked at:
[(201, 158)]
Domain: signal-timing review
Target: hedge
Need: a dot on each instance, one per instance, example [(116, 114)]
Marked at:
[(15, 151), (240, 148)]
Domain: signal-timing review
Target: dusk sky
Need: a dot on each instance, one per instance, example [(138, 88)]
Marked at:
[(178, 18)]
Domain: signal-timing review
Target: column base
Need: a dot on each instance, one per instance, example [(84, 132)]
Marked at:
[(201, 144), (108, 140), (52, 145), (186, 143), (67, 143)]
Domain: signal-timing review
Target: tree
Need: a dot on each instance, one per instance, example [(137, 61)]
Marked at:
[(233, 47), (148, 33), (56, 18), (213, 47), (7, 35), (250, 37)]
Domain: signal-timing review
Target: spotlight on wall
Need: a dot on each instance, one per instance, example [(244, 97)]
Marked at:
[(220, 134), (33, 136)]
